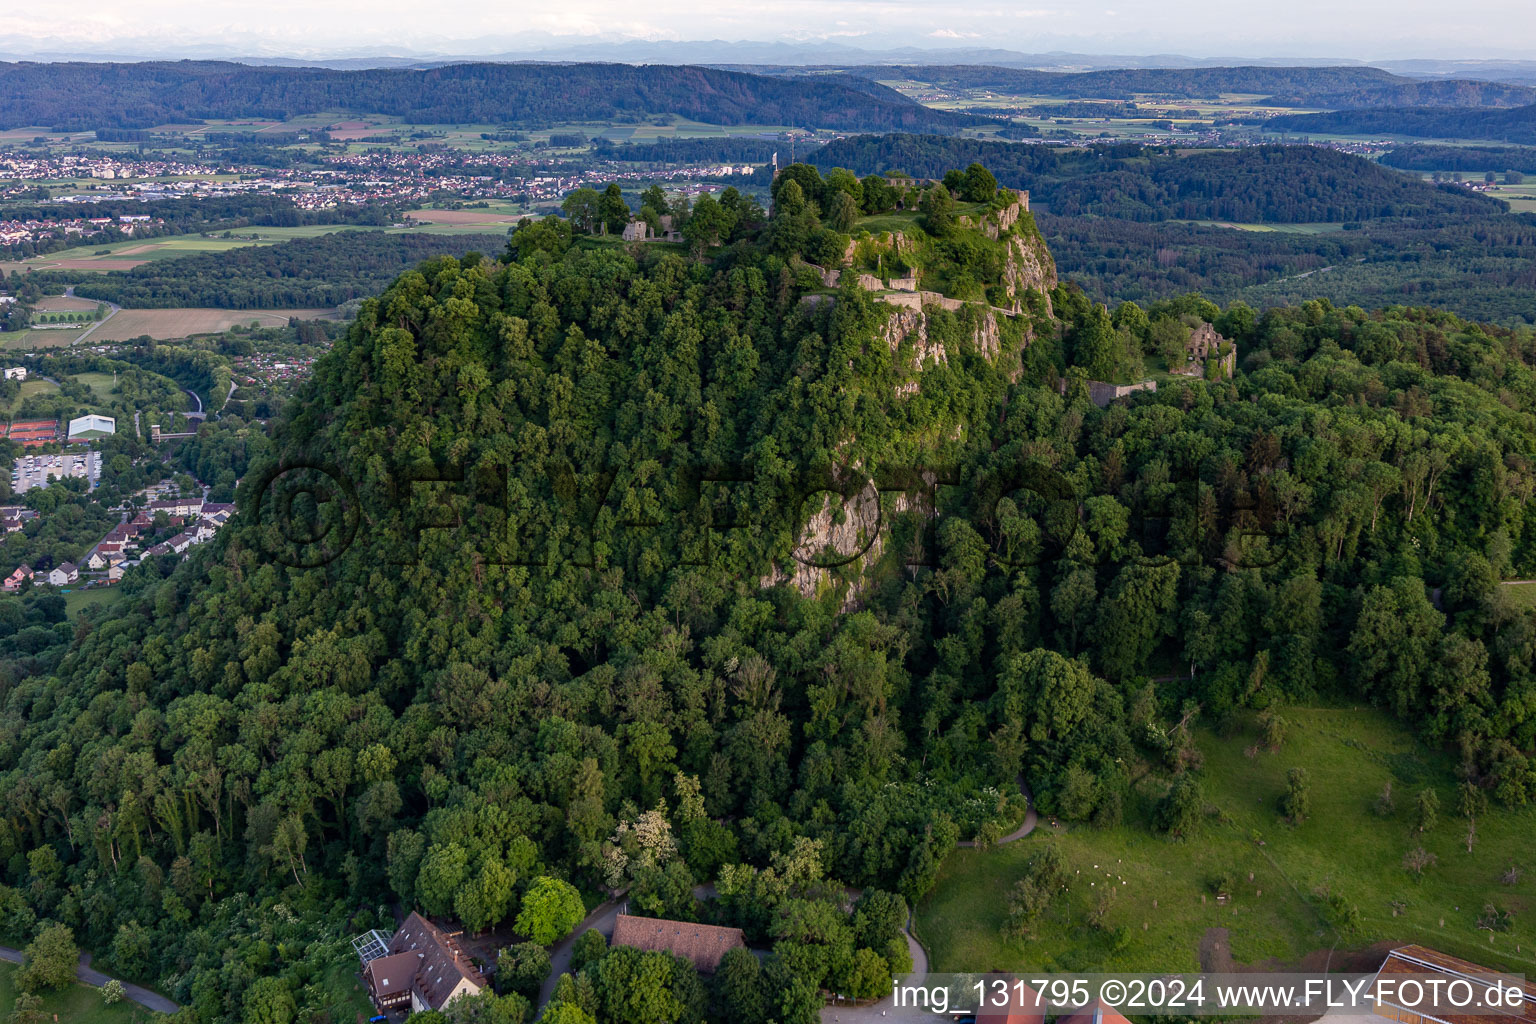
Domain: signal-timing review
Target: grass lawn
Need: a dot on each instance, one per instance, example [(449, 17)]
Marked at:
[(101, 384), (29, 387), (903, 221), (80, 598), (1522, 595), (77, 1004), (1164, 903)]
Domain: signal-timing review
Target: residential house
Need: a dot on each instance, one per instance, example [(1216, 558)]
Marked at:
[(14, 581), (176, 507), (97, 561), (115, 572), (424, 968), (64, 574), (701, 944)]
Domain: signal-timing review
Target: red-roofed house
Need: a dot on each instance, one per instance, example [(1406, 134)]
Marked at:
[(702, 944), (424, 968)]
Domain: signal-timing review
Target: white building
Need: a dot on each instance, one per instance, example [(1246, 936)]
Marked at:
[(92, 422), (15, 373)]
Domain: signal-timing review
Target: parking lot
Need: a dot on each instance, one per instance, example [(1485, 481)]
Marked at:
[(31, 471)]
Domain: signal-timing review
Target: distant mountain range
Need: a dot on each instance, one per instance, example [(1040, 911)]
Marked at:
[(722, 52), (81, 96)]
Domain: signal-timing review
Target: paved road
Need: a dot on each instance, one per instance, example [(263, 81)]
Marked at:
[(602, 919), (1024, 829), (111, 312), (90, 976)]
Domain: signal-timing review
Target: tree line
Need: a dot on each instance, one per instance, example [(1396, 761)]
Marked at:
[(75, 96)]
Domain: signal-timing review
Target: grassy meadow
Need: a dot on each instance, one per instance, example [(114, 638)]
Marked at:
[(1165, 904)]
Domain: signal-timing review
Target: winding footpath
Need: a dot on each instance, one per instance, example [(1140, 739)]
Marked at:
[(88, 975)]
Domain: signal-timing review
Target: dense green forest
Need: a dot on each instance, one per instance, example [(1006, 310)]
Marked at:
[(1424, 157), (77, 96), (1283, 86), (1478, 268), (1282, 184), (1516, 125), (325, 270), (577, 592)]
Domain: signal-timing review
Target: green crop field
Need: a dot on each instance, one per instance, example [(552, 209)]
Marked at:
[(1165, 906)]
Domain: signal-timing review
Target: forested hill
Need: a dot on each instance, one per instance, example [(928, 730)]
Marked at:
[(1279, 184), (1516, 126), (572, 566), (1293, 87), (86, 96)]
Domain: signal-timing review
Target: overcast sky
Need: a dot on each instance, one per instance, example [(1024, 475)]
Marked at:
[(1361, 29)]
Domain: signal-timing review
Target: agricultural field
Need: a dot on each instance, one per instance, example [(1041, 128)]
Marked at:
[(1165, 914), (467, 221), (35, 338), (165, 324), (1298, 229)]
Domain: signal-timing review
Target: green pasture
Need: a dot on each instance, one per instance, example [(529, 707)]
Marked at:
[(1282, 875)]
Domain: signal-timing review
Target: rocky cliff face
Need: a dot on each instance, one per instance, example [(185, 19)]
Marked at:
[(845, 537), (1030, 269)]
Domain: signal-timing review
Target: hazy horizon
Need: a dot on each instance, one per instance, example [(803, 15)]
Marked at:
[(1310, 30)]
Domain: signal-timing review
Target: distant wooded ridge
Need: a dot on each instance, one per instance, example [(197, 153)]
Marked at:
[(81, 96), (1274, 184), (1279, 86), (1516, 125)]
